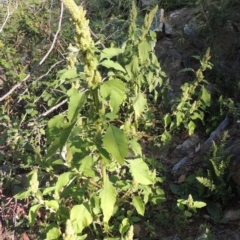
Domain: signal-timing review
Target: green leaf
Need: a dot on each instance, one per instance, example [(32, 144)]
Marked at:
[(140, 171), (65, 134), (139, 104), (82, 237), (166, 138), (34, 183), (136, 147), (108, 198), (187, 70), (53, 232), (198, 204), (179, 117), (206, 97), (191, 127), (214, 210), (158, 197), (23, 194), (48, 190), (52, 204), (124, 226), (53, 147), (197, 115), (143, 50), (63, 180), (33, 213), (54, 127), (86, 166), (75, 104), (112, 64), (133, 67), (68, 74), (115, 90), (80, 217), (175, 189), (139, 205), (187, 213), (60, 141), (110, 52), (167, 120), (115, 142)]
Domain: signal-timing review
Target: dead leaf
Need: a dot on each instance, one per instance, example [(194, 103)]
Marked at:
[(181, 178)]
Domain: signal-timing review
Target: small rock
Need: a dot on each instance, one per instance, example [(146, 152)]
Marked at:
[(232, 215), (191, 30), (187, 148), (179, 164), (139, 230)]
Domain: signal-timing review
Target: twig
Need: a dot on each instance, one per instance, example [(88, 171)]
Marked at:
[(96, 37), (42, 76), (41, 62), (51, 109), (118, 30), (7, 17), (57, 106)]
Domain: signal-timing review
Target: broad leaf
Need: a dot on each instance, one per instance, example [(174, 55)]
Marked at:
[(52, 204), (198, 204), (115, 90), (86, 166), (80, 217), (60, 141), (214, 210), (139, 205), (112, 64), (23, 194), (53, 232), (143, 51), (115, 142), (54, 127), (136, 147), (53, 147), (191, 127), (63, 180), (48, 190), (140, 171), (75, 104), (197, 115), (124, 226), (139, 104), (33, 213), (133, 67), (34, 183), (206, 96), (108, 198), (179, 116), (110, 52), (166, 138), (68, 74), (167, 120)]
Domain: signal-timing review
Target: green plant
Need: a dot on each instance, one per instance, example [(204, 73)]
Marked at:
[(206, 232), (212, 185), (189, 206), (217, 179), (98, 179), (192, 104)]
